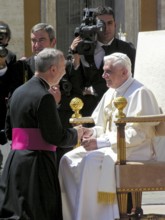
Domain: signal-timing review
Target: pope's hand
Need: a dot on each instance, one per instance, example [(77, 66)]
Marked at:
[(89, 144), (88, 132)]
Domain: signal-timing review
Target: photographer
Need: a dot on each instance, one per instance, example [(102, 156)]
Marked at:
[(84, 74), (7, 58)]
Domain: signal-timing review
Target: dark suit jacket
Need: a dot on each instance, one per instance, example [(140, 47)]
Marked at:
[(5, 87), (32, 106), (20, 72), (33, 172)]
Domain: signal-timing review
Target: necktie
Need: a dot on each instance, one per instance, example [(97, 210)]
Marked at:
[(106, 49)]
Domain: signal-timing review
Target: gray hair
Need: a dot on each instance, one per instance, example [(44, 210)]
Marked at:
[(121, 59), (46, 27), (46, 58)]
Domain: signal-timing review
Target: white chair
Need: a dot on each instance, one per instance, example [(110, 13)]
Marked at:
[(137, 177)]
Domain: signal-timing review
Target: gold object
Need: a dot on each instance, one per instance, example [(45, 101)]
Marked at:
[(129, 175), (120, 103), (83, 120), (76, 105)]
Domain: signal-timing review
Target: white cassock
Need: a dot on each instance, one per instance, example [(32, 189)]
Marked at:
[(87, 178)]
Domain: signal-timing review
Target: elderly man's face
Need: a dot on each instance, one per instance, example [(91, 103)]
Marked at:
[(114, 74)]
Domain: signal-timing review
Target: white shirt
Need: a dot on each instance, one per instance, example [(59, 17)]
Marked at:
[(99, 54)]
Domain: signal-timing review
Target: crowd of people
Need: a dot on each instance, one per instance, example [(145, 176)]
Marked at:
[(35, 93)]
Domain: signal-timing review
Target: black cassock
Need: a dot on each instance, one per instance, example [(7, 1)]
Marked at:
[(29, 186)]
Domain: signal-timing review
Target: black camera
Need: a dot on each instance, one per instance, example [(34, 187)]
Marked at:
[(3, 33), (88, 30), (3, 138), (66, 86)]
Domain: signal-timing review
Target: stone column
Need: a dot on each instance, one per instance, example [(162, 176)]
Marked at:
[(13, 14), (127, 15), (132, 20), (161, 13), (48, 12)]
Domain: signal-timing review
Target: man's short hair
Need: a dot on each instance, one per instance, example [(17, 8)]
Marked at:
[(46, 27), (46, 58), (103, 10)]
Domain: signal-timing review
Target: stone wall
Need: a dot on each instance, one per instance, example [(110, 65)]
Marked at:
[(11, 12), (161, 13)]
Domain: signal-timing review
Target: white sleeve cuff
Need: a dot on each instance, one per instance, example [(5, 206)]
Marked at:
[(94, 132), (103, 142)]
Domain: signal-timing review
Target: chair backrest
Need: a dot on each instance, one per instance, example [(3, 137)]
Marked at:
[(136, 177), (150, 63), (150, 70)]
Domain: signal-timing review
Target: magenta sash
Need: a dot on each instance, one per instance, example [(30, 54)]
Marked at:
[(29, 139)]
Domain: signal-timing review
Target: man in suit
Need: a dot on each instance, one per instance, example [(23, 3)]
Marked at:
[(29, 187), (42, 36), (7, 58)]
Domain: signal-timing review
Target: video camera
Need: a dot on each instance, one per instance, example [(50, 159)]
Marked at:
[(3, 33), (3, 138), (88, 30)]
